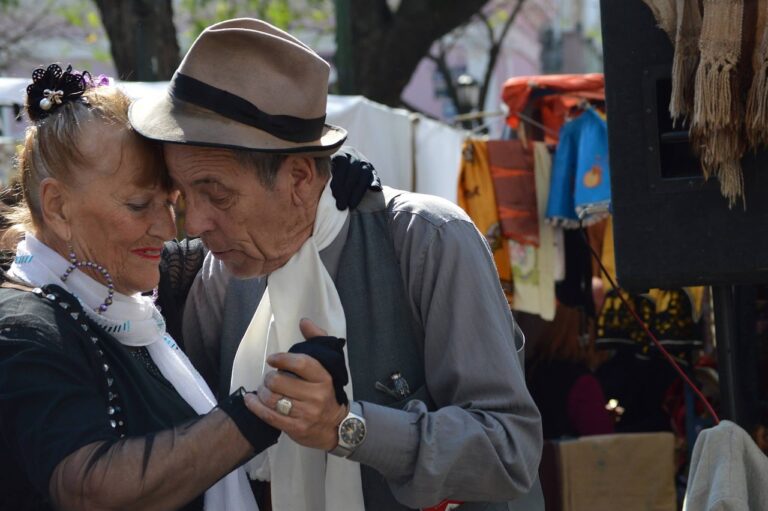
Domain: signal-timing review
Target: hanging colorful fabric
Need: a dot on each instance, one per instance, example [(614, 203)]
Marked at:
[(534, 267), (512, 171), (477, 197)]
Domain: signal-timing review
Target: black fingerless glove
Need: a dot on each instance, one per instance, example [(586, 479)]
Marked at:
[(352, 177), (329, 351), (260, 434)]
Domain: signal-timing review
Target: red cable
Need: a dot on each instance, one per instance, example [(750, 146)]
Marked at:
[(653, 338)]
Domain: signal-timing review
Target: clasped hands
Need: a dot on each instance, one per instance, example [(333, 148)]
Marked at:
[(312, 376)]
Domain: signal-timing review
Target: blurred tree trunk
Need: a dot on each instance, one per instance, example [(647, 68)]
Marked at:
[(142, 38), (387, 45)]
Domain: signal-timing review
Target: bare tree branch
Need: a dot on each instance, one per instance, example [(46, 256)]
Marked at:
[(487, 23), (441, 62), (22, 28), (510, 20), (495, 50)]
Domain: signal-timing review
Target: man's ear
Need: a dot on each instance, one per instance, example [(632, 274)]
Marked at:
[(303, 178), (55, 207)]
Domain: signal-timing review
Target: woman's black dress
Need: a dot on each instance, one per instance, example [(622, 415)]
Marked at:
[(56, 395)]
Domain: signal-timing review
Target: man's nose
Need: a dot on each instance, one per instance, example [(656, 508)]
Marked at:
[(196, 219)]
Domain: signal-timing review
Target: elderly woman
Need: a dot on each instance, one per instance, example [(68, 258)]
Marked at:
[(99, 408)]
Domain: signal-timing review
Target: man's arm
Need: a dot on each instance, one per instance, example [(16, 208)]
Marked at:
[(484, 441)]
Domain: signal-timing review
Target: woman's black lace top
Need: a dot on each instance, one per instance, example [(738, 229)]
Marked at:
[(180, 263)]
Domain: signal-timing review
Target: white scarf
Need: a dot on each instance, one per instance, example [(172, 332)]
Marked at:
[(302, 479), (135, 321)]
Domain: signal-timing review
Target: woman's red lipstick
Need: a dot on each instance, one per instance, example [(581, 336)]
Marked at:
[(151, 253)]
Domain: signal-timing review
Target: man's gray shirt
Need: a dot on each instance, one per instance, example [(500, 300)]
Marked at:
[(482, 442)]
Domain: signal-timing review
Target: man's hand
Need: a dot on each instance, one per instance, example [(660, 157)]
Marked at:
[(315, 415)]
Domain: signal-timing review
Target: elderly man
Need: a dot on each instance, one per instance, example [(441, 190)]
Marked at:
[(438, 409)]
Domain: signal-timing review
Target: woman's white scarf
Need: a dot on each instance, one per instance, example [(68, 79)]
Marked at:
[(302, 479), (135, 321)]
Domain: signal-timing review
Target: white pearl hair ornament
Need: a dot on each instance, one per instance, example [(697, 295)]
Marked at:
[(50, 98)]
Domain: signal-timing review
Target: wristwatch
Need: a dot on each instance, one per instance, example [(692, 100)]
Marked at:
[(351, 431)]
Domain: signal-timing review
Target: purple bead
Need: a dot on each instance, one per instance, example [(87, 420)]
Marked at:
[(103, 307)]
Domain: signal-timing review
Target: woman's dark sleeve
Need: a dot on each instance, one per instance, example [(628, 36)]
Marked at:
[(50, 405), (180, 263)]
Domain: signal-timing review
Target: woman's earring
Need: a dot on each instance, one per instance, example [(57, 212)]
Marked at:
[(75, 263)]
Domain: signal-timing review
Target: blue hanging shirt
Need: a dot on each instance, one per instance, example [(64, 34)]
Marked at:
[(581, 182)]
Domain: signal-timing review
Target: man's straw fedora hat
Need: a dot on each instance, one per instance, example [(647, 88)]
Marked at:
[(244, 84)]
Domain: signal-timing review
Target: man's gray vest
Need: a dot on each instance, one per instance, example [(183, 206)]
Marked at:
[(384, 334)]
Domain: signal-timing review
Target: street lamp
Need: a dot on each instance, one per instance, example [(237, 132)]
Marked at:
[(467, 93)]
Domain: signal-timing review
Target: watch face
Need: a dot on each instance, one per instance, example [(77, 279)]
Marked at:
[(352, 432)]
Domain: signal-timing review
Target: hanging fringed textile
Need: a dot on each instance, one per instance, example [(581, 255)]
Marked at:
[(666, 15), (757, 102), (686, 59), (711, 73), (716, 127)]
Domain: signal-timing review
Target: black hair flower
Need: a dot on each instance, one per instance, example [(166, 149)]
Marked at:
[(52, 87)]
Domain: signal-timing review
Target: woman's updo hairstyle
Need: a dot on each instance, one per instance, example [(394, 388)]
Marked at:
[(59, 104)]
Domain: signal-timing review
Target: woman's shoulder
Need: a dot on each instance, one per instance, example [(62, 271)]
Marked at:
[(32, 314), (17, 299)]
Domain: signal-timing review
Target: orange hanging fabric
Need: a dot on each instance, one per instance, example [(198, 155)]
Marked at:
[(477, 197), (518, 91), (513, 179)]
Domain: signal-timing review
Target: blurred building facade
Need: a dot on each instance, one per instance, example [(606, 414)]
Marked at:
[(547, 37)]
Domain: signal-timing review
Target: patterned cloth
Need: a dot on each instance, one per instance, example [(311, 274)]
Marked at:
[(477, 197), (513, 179), (534, 267)]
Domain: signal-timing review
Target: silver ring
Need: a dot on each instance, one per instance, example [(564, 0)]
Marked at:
[(283, 406)]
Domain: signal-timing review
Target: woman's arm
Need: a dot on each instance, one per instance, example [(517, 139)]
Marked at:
[(167, 470), (162, 471)]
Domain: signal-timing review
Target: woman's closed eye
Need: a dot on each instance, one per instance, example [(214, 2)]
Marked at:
[(141, 205), (138, 207)]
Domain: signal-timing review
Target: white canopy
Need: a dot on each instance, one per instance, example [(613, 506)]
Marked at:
[(409, 151)]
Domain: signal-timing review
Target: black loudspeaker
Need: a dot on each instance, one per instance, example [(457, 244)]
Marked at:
[(672, 228)]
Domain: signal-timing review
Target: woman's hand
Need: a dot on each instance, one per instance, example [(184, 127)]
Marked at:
[(352, 178)]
